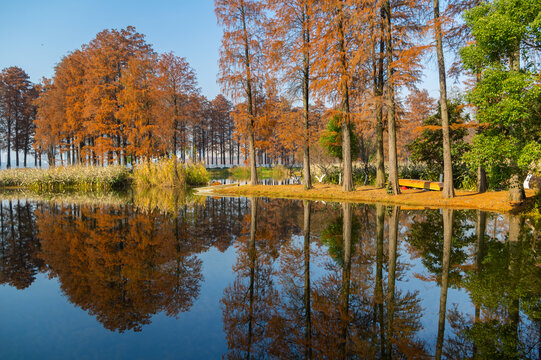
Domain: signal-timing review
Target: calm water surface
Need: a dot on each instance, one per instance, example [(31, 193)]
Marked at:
[(260, 278)]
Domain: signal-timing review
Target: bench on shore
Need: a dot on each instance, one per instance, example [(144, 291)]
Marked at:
[(421, 184)]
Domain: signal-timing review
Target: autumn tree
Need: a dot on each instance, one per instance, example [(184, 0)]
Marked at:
[(136, 115), (402, 27), (240, 58), (378, 76), (17, 111), (335, 67), (108, 55), (176, 84), (292, 29), (49, 119), (223, 124), (113, 98), (419, 106)]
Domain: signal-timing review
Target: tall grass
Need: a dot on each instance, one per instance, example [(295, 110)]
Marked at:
[(84, 178), (169, 173)]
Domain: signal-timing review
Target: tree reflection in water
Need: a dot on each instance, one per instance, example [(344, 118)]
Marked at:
[(311, 280), (505, 288), (19, 246)]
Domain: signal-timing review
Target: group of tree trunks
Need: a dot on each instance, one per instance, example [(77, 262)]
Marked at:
[(320, 48)]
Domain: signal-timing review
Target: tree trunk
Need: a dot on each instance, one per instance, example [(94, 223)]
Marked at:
[(516, 189), (252, 258), (393, 242), (25, 150), (378, 94), (346, 273), (307, 177), (347, 181), (447, 239), (482, 185), (479, 255), (16, 143), (515, 275), (391, 116), (8, 145), (378, 290), (307, 290), (448, 189), (251, 113)]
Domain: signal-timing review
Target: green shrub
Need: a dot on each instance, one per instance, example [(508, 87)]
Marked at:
[(360, 174), (416, 171)]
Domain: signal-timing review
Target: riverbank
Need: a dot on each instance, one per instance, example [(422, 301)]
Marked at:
[(497, 201)]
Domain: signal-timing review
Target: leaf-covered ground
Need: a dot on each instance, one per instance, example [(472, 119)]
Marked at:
[(497, 201)]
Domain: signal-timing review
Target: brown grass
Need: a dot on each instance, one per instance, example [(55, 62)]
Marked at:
[(497, 201)]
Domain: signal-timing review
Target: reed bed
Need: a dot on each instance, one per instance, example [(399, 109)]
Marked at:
[(170, 173), (81, 178)]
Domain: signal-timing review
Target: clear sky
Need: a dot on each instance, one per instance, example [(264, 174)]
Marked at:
[(35, 34)]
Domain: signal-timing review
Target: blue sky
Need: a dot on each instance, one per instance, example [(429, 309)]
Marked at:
[(36, 34)]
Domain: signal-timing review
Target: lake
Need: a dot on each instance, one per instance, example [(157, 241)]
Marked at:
[(197, 278)]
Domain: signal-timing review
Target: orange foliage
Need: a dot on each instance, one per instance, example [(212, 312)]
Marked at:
[(116, 98)]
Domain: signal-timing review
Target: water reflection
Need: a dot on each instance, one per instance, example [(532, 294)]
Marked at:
[(119, 265), (310, 280), (19, 246)]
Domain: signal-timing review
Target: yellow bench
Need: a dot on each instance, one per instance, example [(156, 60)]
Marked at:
[(421, 184)]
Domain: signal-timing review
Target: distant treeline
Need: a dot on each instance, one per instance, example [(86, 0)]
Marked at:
[(116, 101)]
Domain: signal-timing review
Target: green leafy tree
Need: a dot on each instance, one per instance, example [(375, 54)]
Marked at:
[(428, 146), (507, 36), (331, 139)]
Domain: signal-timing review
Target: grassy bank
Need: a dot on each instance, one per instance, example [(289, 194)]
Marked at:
[(490, 201), (82, 178)]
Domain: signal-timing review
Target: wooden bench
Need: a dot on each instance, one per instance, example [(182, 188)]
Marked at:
[(421, 184)]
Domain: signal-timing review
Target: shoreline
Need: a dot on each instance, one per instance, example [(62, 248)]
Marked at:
[(494, 201)]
